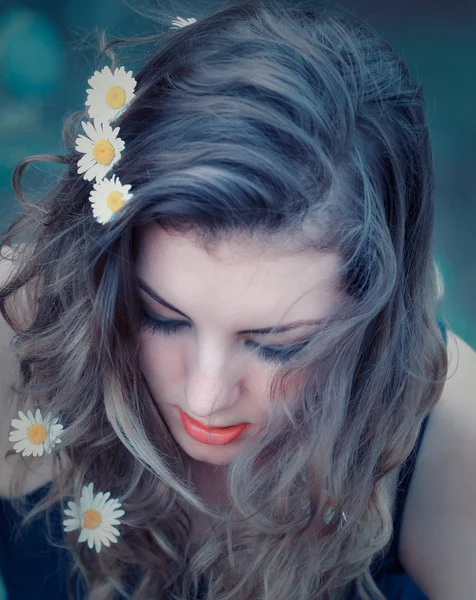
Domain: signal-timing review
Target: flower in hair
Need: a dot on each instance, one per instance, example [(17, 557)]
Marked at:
[(102, 149), (110, 93), (95, 516), (179, 22), (108, 197), (34, 434)]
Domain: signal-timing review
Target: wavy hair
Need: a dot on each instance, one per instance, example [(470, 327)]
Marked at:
[(259, 119)]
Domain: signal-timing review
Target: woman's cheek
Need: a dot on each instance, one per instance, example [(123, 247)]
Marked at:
[(290, 386), (150, 353), (158, 357)]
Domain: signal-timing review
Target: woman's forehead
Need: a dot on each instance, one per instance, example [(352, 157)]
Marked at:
[(239, 274)]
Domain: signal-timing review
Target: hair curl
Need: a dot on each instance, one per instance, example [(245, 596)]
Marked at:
[(259, 119)]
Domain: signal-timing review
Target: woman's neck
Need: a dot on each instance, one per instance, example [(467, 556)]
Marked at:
[(210, 481)]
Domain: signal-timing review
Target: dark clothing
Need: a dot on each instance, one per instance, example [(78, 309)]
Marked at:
[(34, 570)]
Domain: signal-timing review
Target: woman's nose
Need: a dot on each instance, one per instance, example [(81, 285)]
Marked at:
[(211, 386)]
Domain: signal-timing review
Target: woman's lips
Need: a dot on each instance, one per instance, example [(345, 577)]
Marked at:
[(214, 436)]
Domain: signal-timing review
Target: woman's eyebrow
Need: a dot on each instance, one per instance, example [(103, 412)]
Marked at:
[(278, 329)]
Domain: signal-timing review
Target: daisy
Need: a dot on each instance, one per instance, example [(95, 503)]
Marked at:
[(35, 435), (178, 22), (108, 197), (110, 93), (96, 517), (102, 149)]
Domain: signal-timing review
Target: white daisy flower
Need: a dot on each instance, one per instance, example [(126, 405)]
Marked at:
[(108, 197), (96, 517), (35, 435), (102, 149), (110, 93), (179, 22)]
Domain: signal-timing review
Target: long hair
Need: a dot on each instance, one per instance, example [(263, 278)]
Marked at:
[(263, 120)]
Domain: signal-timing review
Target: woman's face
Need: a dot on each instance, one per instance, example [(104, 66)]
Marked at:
[(208, 366)]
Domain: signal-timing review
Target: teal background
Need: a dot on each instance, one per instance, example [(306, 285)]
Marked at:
[(47, 53)]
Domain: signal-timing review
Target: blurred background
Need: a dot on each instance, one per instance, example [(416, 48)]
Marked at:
[(45, 64)]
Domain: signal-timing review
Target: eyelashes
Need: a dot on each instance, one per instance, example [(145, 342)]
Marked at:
[(170, 327)]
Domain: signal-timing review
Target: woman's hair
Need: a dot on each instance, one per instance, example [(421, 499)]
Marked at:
[(281, 124)]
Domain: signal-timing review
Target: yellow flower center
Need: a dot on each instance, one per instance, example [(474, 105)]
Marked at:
[(115, 97), (115, 201), (103, 152), (92, 519), (36, 433)]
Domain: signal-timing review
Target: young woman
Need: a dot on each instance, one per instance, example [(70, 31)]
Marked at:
[(221, 345)]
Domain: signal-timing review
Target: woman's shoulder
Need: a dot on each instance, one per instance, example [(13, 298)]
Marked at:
[(9, 373), (438, 541)]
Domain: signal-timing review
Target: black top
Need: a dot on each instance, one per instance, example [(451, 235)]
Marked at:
[(34, 570)]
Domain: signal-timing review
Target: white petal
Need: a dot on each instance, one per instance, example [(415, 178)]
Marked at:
[(112, 537), (110, 529), (21, 445), (95, 77), (98, 171), (87, 175), (72, 523), (87, 496), (101, 217), (16, 436), (100, 113), (24, 418), (103, 500), (84, 144), (97, 500), (86, 162), (84, 535), (91, 130), (119, 146), (114, 503), (18, 424), (117, 514), (113, 133)]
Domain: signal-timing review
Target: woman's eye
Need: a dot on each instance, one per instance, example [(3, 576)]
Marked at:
[(276, 355), (164, 326)]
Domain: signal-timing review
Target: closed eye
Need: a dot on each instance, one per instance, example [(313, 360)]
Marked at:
[(281, 354)]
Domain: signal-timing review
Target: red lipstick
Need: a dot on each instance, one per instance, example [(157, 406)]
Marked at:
[(214, 436)]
